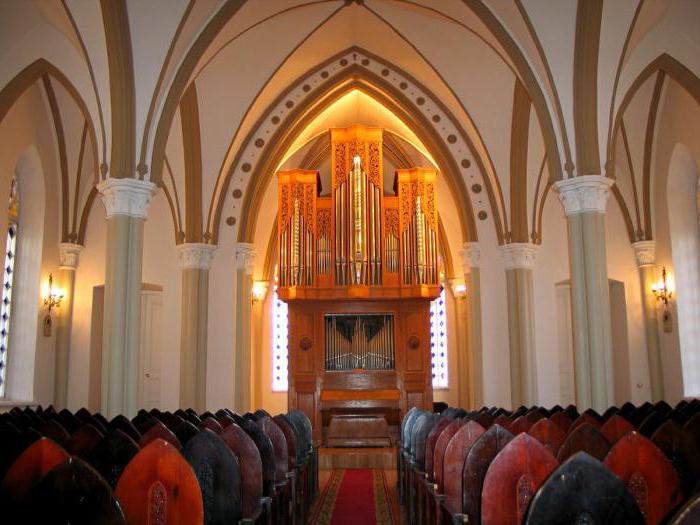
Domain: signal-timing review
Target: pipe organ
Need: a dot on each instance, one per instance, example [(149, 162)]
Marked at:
[(358, 267)]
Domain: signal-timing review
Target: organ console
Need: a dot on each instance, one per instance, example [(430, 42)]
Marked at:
[(358, 267)]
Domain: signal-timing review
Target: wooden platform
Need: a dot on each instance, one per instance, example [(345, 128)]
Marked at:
[(339, 458)]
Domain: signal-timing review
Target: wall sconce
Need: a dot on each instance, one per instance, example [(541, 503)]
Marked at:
[(259, 290), (459, 288), (663, 293), (52, 299)]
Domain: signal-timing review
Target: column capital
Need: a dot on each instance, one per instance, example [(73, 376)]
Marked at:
[(519, 255), (129, 197), (645, 253), (471, 256), (585, 193), (196, 255), (69, 255), (245, 255)]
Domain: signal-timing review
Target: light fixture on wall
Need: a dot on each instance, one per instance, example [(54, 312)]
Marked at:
[(259, 291), (459, 288), (52, 299), (663, 293)]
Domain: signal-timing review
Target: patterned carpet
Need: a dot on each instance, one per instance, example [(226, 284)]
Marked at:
[(354, 497)]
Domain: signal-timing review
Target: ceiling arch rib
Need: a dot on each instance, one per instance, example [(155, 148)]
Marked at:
[(356, 69)]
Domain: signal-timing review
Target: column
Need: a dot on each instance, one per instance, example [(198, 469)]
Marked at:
[(645, 254), (195, 261), (470, 359), (126, 202), (245, 254), (584, 199), (519, 259), (69, 255)]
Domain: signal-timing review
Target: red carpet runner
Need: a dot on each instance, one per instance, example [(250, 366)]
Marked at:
[(354, 497)]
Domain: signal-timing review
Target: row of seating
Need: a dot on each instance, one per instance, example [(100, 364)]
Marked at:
[(632, 464), (159, 467)]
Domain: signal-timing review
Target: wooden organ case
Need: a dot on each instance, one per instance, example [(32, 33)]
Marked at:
[(358, 269)]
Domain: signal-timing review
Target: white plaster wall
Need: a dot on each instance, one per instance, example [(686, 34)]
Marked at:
[(551, 267), (623, 267), (90, 273), (161, 266)]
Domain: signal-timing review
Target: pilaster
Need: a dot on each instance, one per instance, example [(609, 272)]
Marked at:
[(245, 256), (470, 360), (519, 260), (69, 256), (195, 261), (645, 255)]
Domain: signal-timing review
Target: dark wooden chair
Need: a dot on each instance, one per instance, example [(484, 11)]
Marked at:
[(27, 470), (74, 493), (520, 425), (640, 413), (585, 418), (143, 422), (160, 431), (512, 479), (250, 463), (549, 434), (562, 420), (83, 440), (455, 456), (648, 475), (652, 422), (503, 421), (219, 476), (185, 431), (69, 421), (55, 431), (212, 424), (610, 412), (476, 464), (582, 491), (439, 454), (616, 427), (689, 514), (122, 423), (584, 438), (682, 450), (159, 486), (112, 454)]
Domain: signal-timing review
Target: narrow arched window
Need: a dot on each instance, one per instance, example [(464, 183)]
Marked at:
[(280, 338), (438, 340), (8, 280)]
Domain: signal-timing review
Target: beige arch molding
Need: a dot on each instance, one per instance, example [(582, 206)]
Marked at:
[(663, 65), (14, 89), (427, 117), (230, 9)]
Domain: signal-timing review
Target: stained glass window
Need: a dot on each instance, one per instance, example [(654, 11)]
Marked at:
[(7, 283), (438, 340), (280, 337)]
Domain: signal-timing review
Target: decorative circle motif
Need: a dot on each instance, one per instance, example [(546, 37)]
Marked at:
[(451, 139), (420, 101), (466, 163), (305, 343), (436, 118), (365, 62), (413, 342), (289, 104), (344, 62), (246, 167), (324, 74), (385, 72), (237, 193), (403, 85), (306, 88), (476, 188), (482, 215), (275, 120), (259, 143), (230, 221)]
